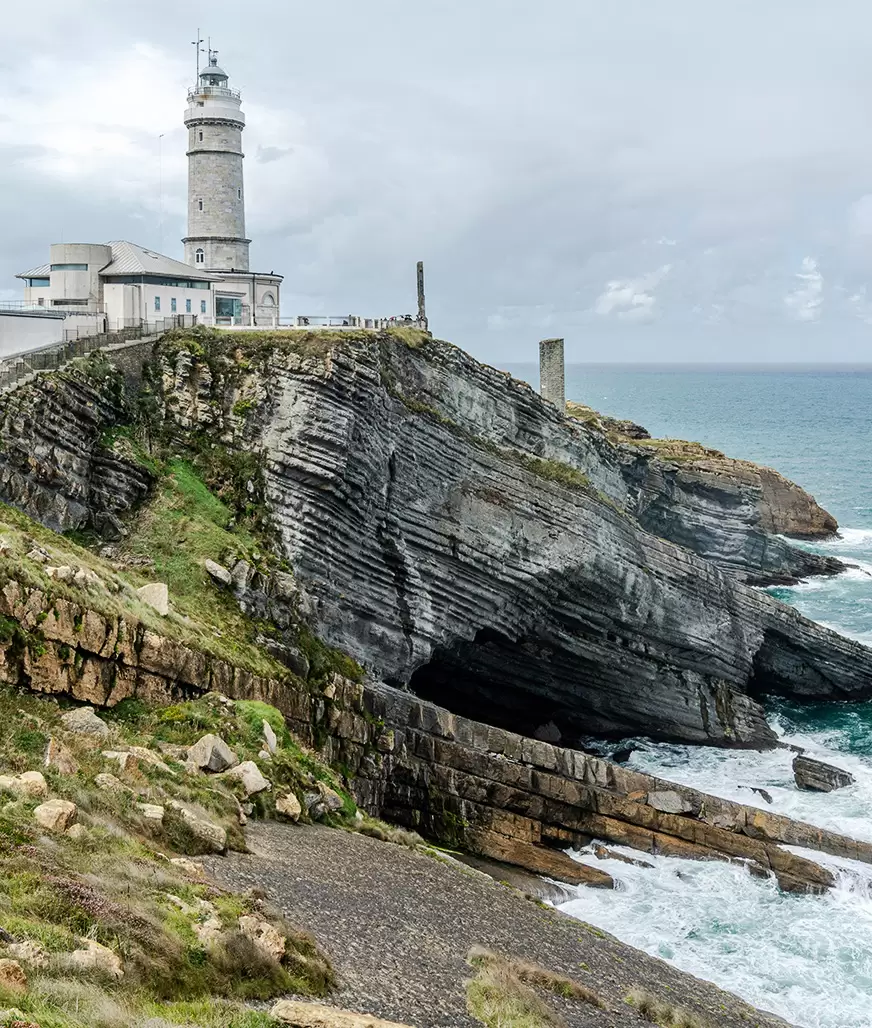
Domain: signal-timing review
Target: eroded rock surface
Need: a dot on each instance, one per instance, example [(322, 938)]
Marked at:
[(462, 538)]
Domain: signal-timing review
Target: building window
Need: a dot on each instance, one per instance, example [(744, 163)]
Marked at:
[(41, 301), (38, 282), (238, 194), (268, 300), (202, 306), (199, 255), (187, 306), (69, 267), (200, 203), (157, 303), (201, 135), (173, 305)]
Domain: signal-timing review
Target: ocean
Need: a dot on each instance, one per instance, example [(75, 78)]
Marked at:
[(805, 958)]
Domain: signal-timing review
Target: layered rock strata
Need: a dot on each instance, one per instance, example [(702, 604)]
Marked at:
[(462, 538), (460, 782)]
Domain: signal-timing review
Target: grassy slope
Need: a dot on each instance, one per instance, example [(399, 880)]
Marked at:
[(113, 886)]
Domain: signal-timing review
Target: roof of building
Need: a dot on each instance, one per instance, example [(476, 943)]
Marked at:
[(212, 70), (131, 259), (42, 271)]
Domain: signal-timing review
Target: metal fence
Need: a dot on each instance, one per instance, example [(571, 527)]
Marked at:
[(50, 358)]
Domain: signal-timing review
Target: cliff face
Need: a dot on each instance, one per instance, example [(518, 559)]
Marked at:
[(459, 536)]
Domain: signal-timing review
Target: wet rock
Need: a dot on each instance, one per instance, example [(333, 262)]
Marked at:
[(604, 853), (669, 802), (211, 753), (289, 806), (249, 774), (56, 815), (816, 776), (622, 754), (84, 721), (762, 793), (218, 573), (157, 596)]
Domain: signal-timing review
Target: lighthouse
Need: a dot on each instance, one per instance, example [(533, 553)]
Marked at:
[(216, 242)]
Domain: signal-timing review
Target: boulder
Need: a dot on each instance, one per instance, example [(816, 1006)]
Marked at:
[(212, 837), (56, 815), (60, 757), (151, 812), (12, 976), (92, 956), (211, 753), (330, 798), (218, 573), (76, 832), (269, 736), (190, 867), (289, 806), (62, 573), (109, 783), (29, 784), (249, 774), (29, 953), (668, 801), (84, 721), (268, 939), (157, 596), (318, 1015), (816, 776)]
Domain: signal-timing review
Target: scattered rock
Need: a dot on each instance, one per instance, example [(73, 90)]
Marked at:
[(56, 815), (264, 755), (762, 792), (317, 1015), (667, 801), (38, 555), (212, 753), (549, 732), (156, 595), (125, 760), (218, 573), (331, 799), (269, 736), (289, 806), (60, 757), (62, 573), (151, 812), (85, 577), (29, 953), (84, 721), (147, 756), (212, 837), (816, 776), (249, 774), (266, 937), (109, 783), (12, 976), (92, 956), (76, 832), (29, 784), (291, 656), (622, 754), (190, 867), (604, 853)]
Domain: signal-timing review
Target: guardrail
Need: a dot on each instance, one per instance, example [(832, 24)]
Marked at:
[(18, 366)]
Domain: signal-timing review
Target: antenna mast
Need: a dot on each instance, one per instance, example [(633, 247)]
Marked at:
[(196, 43)]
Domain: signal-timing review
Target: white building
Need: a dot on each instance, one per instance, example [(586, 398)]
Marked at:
[(129, 284)]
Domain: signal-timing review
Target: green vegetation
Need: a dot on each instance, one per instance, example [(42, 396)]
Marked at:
[(505, 992), (663, 1012), (182, 946)]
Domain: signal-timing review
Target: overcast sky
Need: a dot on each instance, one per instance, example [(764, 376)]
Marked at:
[(669, 180)]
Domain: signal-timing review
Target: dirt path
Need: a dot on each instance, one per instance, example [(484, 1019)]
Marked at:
[(398, 925)]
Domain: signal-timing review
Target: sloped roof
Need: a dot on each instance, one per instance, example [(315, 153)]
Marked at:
[(131, 259), (41, 272)]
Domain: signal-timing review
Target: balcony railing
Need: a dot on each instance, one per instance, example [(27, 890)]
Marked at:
[(197, 92)]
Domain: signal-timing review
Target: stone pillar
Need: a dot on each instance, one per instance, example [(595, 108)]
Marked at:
[(422, 304), (551, 384)]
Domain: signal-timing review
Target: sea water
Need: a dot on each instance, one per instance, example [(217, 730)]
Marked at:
[(806, 958)]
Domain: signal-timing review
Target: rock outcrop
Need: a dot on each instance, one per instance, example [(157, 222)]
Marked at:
[(816, 776), (462, 538)]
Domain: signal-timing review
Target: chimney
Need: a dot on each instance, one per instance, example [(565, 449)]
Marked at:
[(551, 383)]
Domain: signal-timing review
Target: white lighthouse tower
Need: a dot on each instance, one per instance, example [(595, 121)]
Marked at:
[(216, 242)]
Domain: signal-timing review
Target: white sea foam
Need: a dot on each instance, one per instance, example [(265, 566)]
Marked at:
[(805, 958)]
